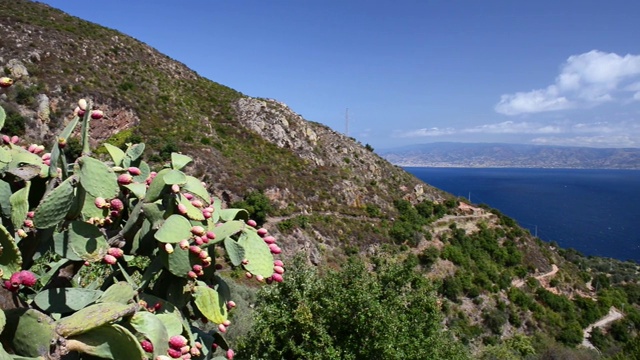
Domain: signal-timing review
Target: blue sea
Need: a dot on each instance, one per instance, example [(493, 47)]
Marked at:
[(596, 212)]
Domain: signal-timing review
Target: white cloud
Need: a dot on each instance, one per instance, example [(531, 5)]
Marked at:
[(427, 132), (585, 80), (510, 127)]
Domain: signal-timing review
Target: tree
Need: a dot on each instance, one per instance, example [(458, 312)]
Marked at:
[(352, 313)]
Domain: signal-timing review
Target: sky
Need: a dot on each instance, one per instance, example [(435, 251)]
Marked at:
[(542, 72)]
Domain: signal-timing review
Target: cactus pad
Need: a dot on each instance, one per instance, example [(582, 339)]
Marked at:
[(55, 206), (97, 178), (152, 328), (175, 177), (120, 292), (86, 241), (258, 254), (234, 250), (65, 300), (10, 258), (20, 205), (116, 154), (132, 155), (30, 332), (92, 317), (179, 161), (210, 304), (108, 342), (174, 229), (193, 212), (233, 214), (157, 186), (5, 194), (226, 229)]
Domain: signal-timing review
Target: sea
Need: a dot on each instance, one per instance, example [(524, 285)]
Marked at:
[(596, 212)]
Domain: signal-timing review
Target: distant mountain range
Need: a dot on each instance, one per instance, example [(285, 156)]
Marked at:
[(450, 154)]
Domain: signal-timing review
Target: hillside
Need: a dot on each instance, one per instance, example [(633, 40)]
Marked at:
[(445, 154), (253, 144), (327, 195)]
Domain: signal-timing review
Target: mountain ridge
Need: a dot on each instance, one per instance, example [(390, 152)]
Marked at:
[(453, 154)]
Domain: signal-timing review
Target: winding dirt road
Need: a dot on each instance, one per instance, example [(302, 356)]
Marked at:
[(612, 316)]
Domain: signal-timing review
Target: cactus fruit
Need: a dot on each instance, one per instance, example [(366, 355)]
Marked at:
[(109, 259), (5, 82), (146, 345), (177, 341)]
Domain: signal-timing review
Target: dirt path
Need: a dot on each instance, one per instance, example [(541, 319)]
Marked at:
[(554, 270), (612, 316), (520, 283)]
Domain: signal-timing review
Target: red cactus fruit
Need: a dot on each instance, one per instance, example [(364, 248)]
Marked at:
[(192, 274), (226, 322), (222, 328), (248, 275), (177, 341), (185, 349), (62, 143), (21, 233), (125, 179), (175, 188), (97, 114), (197, 230), (184, 244), (262, 232), (8, 286), (277, 277), (174, 353), (278, 269), (28, 278), (206, 214), (109, 259), (269, 239), (211, 235), (197, 268), (182, 209), (134, 170), (278, 263), (15, 139), (195, 249), (252, 223), (230, 354), (275, 249), (15, 280), (197, 203), (117, 204), (146, 345), (195, 352), (115, 252), (231, 304), (6, 139), (168, 248), (28, 223), (259, 278), (82, 104)]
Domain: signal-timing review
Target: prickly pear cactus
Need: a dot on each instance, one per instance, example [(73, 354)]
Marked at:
[(109, 259)]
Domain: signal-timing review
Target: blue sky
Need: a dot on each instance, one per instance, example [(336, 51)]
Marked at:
[(412, 71)]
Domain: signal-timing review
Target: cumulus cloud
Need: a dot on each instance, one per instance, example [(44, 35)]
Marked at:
[(585, 80)]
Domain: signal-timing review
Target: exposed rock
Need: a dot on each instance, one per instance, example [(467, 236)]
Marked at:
[(16, 69), (42, 106)]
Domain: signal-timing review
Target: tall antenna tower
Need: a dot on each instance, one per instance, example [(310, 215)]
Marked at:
[(346, 121)]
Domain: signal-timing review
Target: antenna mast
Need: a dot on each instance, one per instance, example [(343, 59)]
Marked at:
[(346, 120)]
